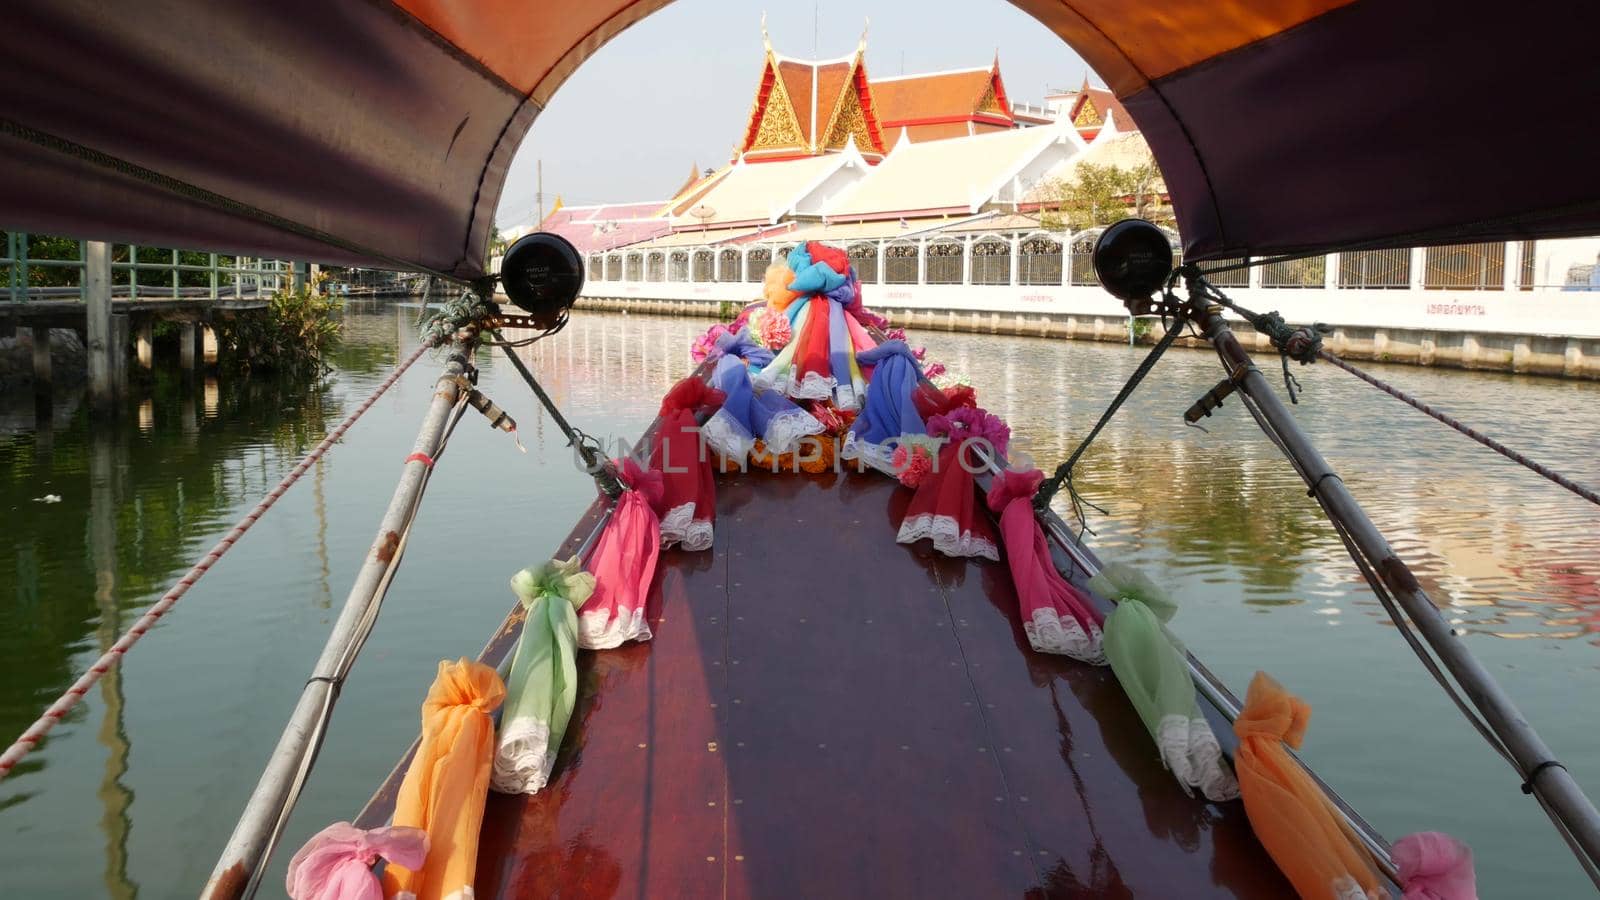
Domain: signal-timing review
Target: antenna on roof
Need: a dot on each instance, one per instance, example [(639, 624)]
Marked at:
[(766, 40), (866, 24)]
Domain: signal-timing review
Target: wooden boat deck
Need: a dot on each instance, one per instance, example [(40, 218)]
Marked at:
[(826, 713)]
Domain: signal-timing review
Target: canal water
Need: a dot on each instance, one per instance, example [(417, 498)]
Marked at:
[(135, 793)]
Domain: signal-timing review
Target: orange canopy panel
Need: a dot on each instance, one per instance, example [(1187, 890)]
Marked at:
[(375, 133)]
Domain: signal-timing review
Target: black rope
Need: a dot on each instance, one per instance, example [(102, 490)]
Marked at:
[(1527, 786), (1302, 344), (1317, 485), (1063, 473)]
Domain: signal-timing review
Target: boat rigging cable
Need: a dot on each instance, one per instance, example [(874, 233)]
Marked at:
[(1497, 718), (63, 704)]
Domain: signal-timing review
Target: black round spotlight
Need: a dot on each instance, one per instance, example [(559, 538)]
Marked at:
[(542, 273), (1133, 259)]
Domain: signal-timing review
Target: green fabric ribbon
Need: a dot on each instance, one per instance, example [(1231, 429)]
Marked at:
[(542, 687), (1151, 666)]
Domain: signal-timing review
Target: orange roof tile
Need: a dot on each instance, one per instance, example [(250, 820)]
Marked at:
[(940, 95)]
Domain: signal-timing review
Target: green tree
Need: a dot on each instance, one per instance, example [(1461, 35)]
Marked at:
[(1098, 195)]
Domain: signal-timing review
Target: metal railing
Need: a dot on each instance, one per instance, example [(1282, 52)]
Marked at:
[(139, 278)]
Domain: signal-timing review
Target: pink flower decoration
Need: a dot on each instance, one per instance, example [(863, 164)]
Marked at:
[(971, 423), (914, 466), (336, 864), (706, 344), (894, 334), (776, 331), (934, 370)]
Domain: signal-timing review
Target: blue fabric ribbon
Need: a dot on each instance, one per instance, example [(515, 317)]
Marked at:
[(889, 411)]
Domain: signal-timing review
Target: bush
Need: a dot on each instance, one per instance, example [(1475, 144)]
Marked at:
[(293, 336)]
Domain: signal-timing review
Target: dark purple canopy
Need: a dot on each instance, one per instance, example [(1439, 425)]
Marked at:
[(378, 132)]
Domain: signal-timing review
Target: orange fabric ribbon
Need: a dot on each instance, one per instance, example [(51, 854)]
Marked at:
[(444, 789), (1292, 817)]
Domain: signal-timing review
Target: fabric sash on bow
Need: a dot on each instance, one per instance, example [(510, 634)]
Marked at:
[(945, 508), (1151, 666), (445, 788), (336, 864), (688, 498), (746, 415), (624, 564), (1056, 616), (1292, 817), (824, 366), (543, 685), (889, 412)]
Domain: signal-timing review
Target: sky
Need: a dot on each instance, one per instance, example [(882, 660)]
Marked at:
[(675, 89)]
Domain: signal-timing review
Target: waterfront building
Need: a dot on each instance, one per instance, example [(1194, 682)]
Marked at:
[(940, 189)]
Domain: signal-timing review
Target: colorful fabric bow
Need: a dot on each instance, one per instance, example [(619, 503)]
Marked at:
[(624, 564), (445, 788), (889, 412), (543, 683), (336, 864), (1292, 817), (1056, 616), (1435, 866), (689, 495), (1150, 664)]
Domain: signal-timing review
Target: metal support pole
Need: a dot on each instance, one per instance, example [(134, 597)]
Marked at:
[(1534, 760), (97, 297), (251, 843), (41, 361), (186, 347), (144, 344)]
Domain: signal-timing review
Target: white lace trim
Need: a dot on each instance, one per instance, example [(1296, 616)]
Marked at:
[(523, 757), (1051, 632), (724, 434), (600, 630), (679, 526), (877, 456), (1190, 750), (947, 536), (787, 428), (812, 386), (847, 396)]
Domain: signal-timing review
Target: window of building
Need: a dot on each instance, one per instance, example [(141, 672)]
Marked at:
[(613, 268), (1311, 272), (1234, 278), (635, 267), (864, 259), (1039, 260), (1375, 269), (655, 266), (900, 263), (729, 271), (1527, 268), (946, 261), (678, 265), (704, 265), (1464, 267), (1083, 273), (991, 260), (597, 266), (756, 263)]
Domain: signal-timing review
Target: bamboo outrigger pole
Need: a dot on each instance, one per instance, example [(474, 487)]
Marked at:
[(1543, 775), (238, 869)]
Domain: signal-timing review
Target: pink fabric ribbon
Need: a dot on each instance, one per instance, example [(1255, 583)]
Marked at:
[(1435, 866), (336, 864), (1056, 616)]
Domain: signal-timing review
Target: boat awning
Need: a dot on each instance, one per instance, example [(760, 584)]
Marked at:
[(379, 132)]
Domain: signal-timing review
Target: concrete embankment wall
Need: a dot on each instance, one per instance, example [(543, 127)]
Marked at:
[(1533, 354)]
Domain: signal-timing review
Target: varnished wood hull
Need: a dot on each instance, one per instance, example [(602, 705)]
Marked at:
[(826, 713)]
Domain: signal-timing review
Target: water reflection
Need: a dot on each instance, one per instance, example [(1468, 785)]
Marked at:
[(1218, 517)]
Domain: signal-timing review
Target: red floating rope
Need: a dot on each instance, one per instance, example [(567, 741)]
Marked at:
[(64, 703)]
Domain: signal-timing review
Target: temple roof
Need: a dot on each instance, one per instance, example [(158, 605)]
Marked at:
[(960, 175), (762, 193), (808, 107), (960, 94), (1092, 105)]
